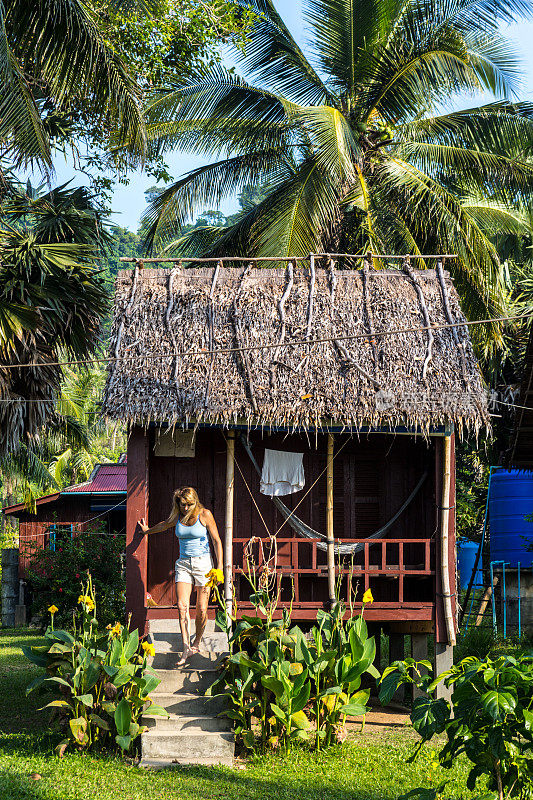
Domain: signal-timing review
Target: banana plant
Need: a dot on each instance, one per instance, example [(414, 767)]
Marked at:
[(103, 679)]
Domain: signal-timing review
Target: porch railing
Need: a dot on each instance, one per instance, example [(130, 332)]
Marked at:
[(398, 571)]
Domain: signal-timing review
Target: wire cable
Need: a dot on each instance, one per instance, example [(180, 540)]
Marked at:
[(294, 343)]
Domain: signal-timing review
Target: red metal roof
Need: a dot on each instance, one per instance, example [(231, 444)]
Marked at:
[(104, 478)]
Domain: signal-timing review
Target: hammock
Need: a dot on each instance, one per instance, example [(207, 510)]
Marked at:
[(307, 532)]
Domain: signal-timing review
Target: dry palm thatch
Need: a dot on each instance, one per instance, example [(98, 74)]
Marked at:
[(167, 322)]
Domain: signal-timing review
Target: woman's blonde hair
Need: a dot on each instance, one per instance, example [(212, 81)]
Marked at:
[(189, 495)]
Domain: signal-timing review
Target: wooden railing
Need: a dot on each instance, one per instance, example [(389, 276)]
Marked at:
[(398, 571)]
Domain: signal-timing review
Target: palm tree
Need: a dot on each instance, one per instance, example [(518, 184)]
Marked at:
[(353, 143), (49, 274), (51, 54)]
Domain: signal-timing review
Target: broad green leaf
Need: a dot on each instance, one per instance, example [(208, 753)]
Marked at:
[(123, 717), (528, 720), (57, 704), (132, 644), (86, 699), (124, 675), (148, 683), (64, 636), (275, 685), (299, 720), (154, 710), (78, 726), (389, 683), (300, 701), (123, 741), (278, 712), (353, 709), (99, 722), (429, 716), (36, 656), (498, 704), (36, 682)]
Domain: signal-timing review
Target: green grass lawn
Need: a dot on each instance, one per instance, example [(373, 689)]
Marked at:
[(367, 767)]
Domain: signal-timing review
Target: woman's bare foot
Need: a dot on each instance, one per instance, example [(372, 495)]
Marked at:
[(188, 651)]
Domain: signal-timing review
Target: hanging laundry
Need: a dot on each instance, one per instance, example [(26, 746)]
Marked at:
[(283, 473)]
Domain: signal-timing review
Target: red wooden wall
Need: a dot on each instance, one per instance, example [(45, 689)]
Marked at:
[(33, 529), (373, 476)]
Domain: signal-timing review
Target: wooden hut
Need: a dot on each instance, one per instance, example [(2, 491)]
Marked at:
[(363, 371), (100, 500)]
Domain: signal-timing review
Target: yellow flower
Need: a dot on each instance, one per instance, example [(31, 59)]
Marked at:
[(87, 601), (215, 576), (53, 609), (149, 649), (116, 630), (367, 597)]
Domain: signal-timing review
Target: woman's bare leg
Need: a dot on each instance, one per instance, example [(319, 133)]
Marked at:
[(202, 601), (183, 592)]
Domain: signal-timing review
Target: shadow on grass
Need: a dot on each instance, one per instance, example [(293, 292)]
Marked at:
[(218, 782), (19, 787)]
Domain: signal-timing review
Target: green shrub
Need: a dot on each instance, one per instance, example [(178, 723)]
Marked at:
[(489, 719), (55, 577), (290, 687), (101, 677)]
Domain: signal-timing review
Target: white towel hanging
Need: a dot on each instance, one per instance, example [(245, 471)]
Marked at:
[(283, 473)]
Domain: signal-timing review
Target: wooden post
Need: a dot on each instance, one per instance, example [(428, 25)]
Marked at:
[(228, 536), (136, 543), (329, 521), (445, 550)]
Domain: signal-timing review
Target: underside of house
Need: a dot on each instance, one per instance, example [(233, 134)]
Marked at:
[(367, 373)]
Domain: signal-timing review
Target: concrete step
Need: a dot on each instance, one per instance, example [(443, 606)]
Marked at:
[(172, 625), (165, 763), (199, 661), (211, 642), (186, 748), (183, 704), (189, 724), (187, 680)]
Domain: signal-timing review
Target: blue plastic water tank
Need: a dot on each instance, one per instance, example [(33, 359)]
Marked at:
[(466, 558), (511, 498)]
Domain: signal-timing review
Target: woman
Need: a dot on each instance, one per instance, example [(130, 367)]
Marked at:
[(193, 523)]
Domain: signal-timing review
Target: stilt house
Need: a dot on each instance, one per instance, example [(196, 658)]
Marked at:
[(363, 371)]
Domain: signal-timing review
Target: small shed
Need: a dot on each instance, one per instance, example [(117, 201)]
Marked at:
[(366, 372), (100, 500)]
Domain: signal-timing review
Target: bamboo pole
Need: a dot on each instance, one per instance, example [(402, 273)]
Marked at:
[(444, 541), (329, 520), (485, 601), (228, 531)]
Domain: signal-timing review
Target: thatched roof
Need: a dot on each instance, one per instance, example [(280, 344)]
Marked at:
[(391, 380)]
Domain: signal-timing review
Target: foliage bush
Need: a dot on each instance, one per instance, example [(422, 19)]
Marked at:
[(284, 686), (489, 719), (102, 679), (55, 577)]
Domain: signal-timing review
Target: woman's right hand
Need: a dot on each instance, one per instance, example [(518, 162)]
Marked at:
[(142, 525)]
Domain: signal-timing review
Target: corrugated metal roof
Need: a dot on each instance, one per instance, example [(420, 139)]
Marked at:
[(105, 478)]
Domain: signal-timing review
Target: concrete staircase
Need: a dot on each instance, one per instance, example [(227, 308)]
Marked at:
[(193, 733)]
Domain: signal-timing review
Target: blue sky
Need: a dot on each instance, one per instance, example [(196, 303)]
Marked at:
[(129, 201)]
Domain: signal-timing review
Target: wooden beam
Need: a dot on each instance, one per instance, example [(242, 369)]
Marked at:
[(228, 530), (329, 520), (136, 543), (414, 626), (444, 535)]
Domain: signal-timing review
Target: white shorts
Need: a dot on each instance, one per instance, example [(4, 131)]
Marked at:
[(193, 570)]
